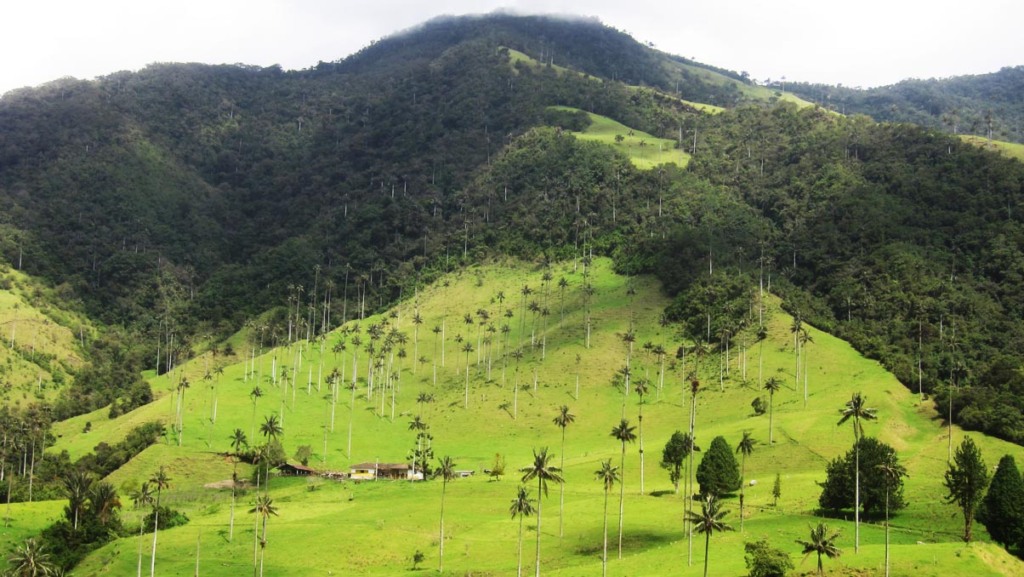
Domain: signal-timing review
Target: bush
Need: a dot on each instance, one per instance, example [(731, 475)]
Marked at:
[(763, 560), (759, 405), (168, 518)]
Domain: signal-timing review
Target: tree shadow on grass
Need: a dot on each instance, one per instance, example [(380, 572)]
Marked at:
[(632, 542)]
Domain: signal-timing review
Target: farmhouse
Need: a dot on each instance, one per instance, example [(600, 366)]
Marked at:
[(374, 471), (290, 470)]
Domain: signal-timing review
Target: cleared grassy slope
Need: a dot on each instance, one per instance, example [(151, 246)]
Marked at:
[(38, 341), (374, 528), (644, 150), (1010, 149)]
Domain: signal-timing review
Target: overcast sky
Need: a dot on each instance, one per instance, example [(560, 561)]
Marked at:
[(865, 43)]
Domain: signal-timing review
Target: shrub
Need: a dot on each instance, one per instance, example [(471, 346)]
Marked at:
[(763, 560)]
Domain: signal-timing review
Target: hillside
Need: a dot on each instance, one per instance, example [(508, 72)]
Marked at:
[(988, 105), (382, 524), (42, 341), (186, 233)]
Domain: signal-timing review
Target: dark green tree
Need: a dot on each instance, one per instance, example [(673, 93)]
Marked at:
[(776, 490), (838, 489), (674, 455), (718, 472), (966, 481), (763, 560), (1002, 510)]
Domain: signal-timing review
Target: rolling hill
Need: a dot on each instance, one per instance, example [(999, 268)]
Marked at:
[(376, 527), (193, 244)]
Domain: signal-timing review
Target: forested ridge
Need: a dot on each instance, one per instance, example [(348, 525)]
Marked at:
[(990, 105), (183, 201)]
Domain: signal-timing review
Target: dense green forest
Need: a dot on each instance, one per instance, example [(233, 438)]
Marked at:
[(990, 105), (182, 202)]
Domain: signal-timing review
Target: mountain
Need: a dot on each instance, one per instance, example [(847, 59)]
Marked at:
[(185, 201), (462, 222), (989, 105)]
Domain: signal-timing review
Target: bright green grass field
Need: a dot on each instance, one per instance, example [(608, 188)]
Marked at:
[(326, 527), (644, 150), (30, 330), (1010, 149)]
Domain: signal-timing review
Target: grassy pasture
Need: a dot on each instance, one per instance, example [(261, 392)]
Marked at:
[(373, 528), (36, 341), (1010, 149), (644, 150)]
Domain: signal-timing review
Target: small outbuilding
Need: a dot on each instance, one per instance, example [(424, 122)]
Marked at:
[(290, 470)]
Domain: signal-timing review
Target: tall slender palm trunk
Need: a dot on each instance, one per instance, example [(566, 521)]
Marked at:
[(540, 502), (604, 554), (622, 495), (519, 562), (856, 504)]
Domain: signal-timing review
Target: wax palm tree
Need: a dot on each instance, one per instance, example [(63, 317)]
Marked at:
[(892, 472), (517, 355), (264, 509), (103, 502), (183, 385), (608, 476), (694, 389), (641, 392), (140, 498), (255, 395), (30, 559), (563, 420), (857, 410), (805, 337), (525, 291), (437, 332), (744, 448), (821, 543), (660, 352), (238, 441), (624, 433), (467, 348), (417, 320), (159, 481), (543, 472), (562, 285), (522, 506), (271, 428), (446, 471), (234, 496), (707, 522), (772, 385), (76, 487)]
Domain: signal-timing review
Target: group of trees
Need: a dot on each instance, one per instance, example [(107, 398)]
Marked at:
[(983, 104)]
